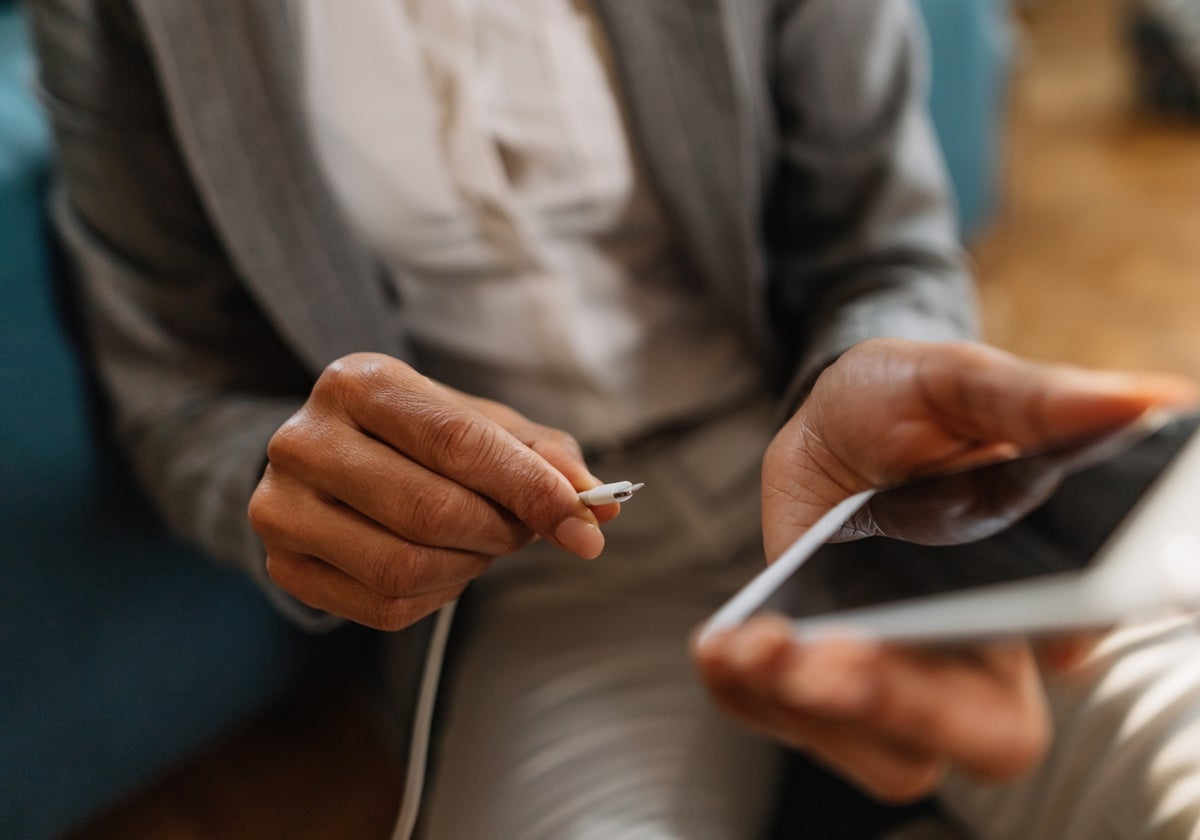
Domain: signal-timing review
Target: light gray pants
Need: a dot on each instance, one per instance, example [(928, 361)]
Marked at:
[(1125, 764), (571, 709)]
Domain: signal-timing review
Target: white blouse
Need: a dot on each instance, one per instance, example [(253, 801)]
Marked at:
[(480, 149)]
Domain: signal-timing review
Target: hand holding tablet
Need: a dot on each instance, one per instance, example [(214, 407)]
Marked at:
[(1139, 554), (818, 675)]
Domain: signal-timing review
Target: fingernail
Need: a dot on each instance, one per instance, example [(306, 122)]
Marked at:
[(581, 537)]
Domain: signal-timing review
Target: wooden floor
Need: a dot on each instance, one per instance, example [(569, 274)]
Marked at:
[(1095, 259)]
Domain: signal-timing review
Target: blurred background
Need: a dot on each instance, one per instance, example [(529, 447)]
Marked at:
[(1093, 255), (145, 695)]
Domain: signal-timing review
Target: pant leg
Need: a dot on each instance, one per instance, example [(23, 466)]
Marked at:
[(572, 711), (1126, 758)]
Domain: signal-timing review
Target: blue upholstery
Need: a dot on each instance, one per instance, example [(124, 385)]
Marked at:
[(121, 650), (970, 46)]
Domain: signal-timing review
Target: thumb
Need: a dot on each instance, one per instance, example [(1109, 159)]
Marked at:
[(889, 410), (993, 396)]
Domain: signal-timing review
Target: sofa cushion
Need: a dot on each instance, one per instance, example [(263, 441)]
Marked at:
[(120, 649)]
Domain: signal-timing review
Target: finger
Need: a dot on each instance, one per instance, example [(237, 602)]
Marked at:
[(395, 404), (736, 663), (605, 513), (403, 496), (887, 769), (760, 670), (743, 670), (564, 453), (323, 587), (559, 448), (363, 549), (746, 669), (990, 395), (930, 703), (984, 712)]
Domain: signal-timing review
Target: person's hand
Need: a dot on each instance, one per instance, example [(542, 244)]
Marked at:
[(890, 719), (894, 718), (889, 410), (387, 493)]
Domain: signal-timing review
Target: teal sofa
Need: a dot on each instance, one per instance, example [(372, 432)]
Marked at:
[(971, 45), (121, 650)]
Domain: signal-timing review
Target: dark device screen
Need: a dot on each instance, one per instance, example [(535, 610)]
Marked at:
[(1062, 525)]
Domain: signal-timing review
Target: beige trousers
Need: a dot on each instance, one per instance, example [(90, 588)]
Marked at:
[(1125, 764), (570, 710)]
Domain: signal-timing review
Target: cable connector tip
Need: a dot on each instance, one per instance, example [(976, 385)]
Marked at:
[(607, 494)]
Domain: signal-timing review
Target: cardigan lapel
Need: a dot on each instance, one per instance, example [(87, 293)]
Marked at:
[(230, 78), (686, 71)]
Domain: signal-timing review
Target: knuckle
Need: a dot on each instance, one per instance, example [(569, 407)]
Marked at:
[(394, 572), (434, 515), (338, 377), (467, 445), (449, 517), (351, 378), (350, 369), (394, 614), (291, 444)]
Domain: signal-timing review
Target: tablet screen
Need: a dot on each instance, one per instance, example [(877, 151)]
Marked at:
[(1062, 533)]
